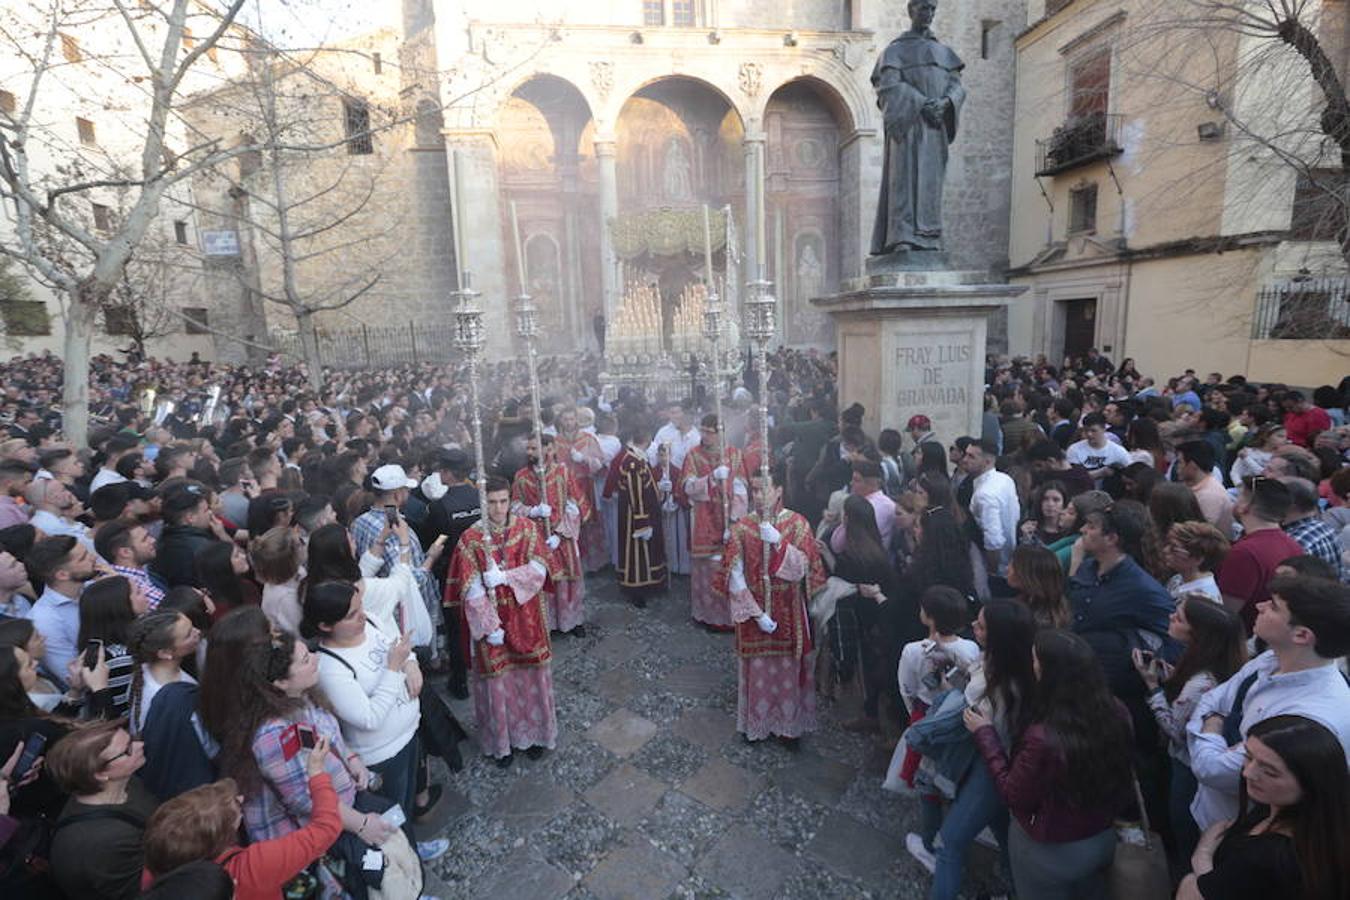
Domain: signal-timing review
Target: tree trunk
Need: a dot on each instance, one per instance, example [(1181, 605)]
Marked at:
[(75, 358), (309, 347)]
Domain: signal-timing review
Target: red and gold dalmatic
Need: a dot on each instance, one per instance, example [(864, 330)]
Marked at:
[(642, 560), (566, 588), (513, 682), (591, 538), (709, 500), (777, 694)]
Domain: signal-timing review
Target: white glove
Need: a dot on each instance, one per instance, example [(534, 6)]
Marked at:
[(494, 577), (542, 511), (721, 473), (553, 542), (498, 637), (664, 485), (768, 533), (643, 534), (726, 535), (766, 625), (578, 456), (572, 509), (670, 505)]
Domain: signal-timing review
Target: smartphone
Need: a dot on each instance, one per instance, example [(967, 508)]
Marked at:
[(1146, 656), (32, 749), (395, 816), (91, 653), (391, 515), (307, 737)]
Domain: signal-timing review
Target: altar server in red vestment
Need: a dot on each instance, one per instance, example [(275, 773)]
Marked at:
[(777, 692), (557, 513), (580, 453), (714, 486), (642, 556), (501, 584)]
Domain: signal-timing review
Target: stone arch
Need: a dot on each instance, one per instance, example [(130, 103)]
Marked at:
[(616, 106), (806, 206), (546, 172), (851, 106)]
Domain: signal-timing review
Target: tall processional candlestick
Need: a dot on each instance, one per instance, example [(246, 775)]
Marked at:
[(469, 340), (712, 334), (759, 327), (527, 329)]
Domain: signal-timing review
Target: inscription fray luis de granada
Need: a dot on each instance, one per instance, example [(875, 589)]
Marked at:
[(935, 373)]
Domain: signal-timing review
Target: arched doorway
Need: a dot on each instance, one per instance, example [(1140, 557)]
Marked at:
[(804, 122), (678, 147), (548, 171)]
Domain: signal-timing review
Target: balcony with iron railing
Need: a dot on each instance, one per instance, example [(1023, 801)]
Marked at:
[(1078, 142), (1308, 309)]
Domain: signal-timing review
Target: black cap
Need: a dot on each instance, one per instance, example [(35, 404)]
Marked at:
[(454, 460)]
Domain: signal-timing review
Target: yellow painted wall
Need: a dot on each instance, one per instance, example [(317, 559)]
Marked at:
[(1192, 312), (1302, 363)]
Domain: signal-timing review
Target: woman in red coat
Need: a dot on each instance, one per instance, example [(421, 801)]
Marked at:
[(203, 824)]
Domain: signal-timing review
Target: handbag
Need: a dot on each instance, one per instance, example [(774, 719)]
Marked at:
[(1139, 868)]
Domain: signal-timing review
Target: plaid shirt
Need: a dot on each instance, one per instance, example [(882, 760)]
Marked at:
[(153, 592), (366, 530), (283, 804), (1319, 539)]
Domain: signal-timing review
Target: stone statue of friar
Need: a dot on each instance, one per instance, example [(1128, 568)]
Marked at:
[(919, 92)]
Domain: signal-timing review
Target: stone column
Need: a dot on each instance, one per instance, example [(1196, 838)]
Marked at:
[(480, 211), (609, 210), (754, 204)]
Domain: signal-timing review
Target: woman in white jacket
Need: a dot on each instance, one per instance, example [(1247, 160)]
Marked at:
[(395, 601), (372, 681)]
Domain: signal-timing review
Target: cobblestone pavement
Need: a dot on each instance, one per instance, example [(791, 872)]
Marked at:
[(652, 794)]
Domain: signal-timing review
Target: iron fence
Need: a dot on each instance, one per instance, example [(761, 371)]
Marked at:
[(1303, 310), (376, 346)]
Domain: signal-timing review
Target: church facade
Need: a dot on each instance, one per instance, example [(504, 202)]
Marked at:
[(606, 135)]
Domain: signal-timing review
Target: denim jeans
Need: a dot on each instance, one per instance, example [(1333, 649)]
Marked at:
[(398, 774), (977, 806), (1185, 835)]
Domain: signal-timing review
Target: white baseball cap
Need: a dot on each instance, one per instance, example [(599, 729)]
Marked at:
[(391, 478)]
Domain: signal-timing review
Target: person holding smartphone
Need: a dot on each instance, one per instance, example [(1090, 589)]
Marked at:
[(1215, 649), (372, 682)]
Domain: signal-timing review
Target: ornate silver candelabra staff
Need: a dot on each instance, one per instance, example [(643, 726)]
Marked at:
[(469, 340), (712, 333), (527, 329), (759, 327)]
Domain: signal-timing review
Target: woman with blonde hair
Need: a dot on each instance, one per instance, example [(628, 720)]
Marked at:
[(276, 563)]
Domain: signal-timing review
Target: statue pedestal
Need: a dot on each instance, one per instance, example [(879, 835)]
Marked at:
[(913, 342)]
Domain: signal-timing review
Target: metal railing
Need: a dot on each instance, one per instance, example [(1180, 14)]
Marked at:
[(1079, 142), (375, 346), (1303, 310)]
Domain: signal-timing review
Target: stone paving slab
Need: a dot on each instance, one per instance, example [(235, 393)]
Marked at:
[(709, 728), (622, 732), (637, 870), (853, 849), (617, 686), (626, 794), (522, 877), (618, 648), (745, 865), (722, 786), (816, 778), (697, 681), (531, 802)]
